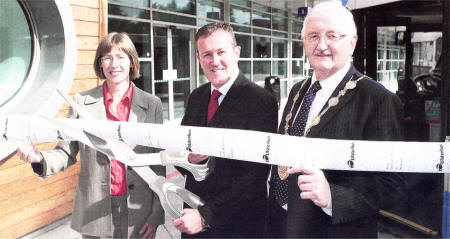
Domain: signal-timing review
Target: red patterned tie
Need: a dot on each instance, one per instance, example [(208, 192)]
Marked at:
[(213, 104)]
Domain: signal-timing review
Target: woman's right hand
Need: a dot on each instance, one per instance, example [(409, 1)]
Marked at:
[(29, 153)]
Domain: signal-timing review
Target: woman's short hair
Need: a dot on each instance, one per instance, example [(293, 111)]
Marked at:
[(123, 42)]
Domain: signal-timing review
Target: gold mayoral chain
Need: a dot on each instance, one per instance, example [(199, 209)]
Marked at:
[(282, 170)]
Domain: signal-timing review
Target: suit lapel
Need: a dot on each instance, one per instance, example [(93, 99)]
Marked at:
[(138, 106), (202, 113), (297, 104), (94, 103), (327, 116)]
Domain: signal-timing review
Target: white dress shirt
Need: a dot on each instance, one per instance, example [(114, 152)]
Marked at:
[(225, 87), (322, 96)]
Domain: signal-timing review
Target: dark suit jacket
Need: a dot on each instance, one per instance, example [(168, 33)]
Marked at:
[(235, 192), (368, 112)]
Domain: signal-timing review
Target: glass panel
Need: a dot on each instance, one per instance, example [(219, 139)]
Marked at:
[(182, 6), (394, 54), (261, 32), (237, 28), (161, 85), (279, 34), (239, 15), (145, 81), (245, 68), (297, 49), (388, 65), (201, 22), (142, 3), (380, 66), (379, 76), (180, 57), (261, 19), (210, 9), (279, 48), (15, 49), (296, 36), (297, 26), (261, 47), (279, 69), (395, 65), (128, 11), (241, 2), (244, 42), (261, 69), (260, 7), (297, 68), (173, 18), (139, 33), (279, 23), (380, 54), (279, 12)]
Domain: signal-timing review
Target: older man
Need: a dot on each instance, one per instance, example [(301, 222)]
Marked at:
[(337, 102), (235, 192)]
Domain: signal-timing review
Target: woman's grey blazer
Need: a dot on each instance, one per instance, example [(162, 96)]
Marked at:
[(92, 206)]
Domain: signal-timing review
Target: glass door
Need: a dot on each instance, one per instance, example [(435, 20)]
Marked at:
[(172, 64)]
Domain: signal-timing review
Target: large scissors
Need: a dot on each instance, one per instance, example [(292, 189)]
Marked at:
[(139, 162)]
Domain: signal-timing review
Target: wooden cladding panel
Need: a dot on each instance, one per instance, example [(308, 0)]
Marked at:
[(85, 3), (39, 215), (85, 13), (28, 202), (84, 84), (86, 28), (17, 189), (87, 43), (84, 72), (85, 57), (27, 199)]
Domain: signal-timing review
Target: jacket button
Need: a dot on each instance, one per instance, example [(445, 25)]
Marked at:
[(131, 186)]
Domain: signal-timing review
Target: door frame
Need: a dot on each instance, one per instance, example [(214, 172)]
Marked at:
[(192, 62)]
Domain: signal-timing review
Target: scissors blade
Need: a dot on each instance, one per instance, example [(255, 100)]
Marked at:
[(123, 152), (82, 112)]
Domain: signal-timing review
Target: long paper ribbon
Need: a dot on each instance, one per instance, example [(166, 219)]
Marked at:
[(388, 156)]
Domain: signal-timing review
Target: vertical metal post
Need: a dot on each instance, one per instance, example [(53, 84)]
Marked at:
[(170, 78)]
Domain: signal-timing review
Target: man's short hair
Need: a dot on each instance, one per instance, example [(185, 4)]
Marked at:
[(333, 8), (124, 43), (210, 28)]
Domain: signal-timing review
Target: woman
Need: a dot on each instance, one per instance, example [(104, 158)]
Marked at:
[(111, 200)]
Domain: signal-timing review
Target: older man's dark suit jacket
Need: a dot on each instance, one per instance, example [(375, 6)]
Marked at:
[(367, 112), (235, 192)]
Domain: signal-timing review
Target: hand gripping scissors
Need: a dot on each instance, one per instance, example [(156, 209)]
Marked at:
[(139, 162)]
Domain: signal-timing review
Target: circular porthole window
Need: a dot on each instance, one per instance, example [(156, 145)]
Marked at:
[(37, 56), (15, 49)]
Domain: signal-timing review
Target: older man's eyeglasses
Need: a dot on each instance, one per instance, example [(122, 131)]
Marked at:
[(330, 37), (108, 59)]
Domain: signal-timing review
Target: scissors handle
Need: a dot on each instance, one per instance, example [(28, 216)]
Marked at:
[(187, 196), (180, 159)]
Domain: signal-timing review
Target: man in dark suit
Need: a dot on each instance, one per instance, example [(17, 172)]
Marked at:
[(337, 102), (235, 192)]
